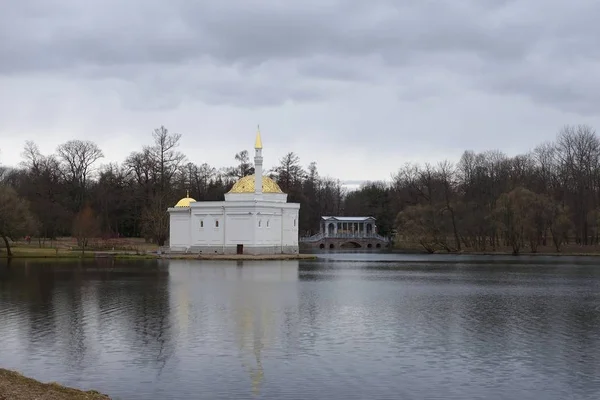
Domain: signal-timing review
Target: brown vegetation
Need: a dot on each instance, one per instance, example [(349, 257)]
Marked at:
[(130, 199), (85, 227), (15, 218), (14, 386), (546, 199), (70, 244)]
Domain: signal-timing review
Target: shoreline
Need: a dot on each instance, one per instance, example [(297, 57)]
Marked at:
[(240, 257), (15, 386), (51, 254), (500, 253), (21, 253)]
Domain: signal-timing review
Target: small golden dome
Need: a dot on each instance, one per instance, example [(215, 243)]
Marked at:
[(185, 202), (246, 185)]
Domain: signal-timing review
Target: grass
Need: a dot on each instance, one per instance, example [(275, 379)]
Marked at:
[(66, 247), (14, 386), (36, 252), (570, 249)]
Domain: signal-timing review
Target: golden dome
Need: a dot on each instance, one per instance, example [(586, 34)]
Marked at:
[(185, 202), (246, 185)]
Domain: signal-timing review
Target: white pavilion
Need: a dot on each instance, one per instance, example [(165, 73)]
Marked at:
[(255, 218)]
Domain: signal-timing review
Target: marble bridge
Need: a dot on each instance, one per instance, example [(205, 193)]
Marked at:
[(346, 232)]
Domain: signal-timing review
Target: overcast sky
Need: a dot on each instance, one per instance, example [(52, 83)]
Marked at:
[(358, 86)]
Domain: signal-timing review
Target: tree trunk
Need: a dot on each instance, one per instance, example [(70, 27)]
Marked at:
[(8, 250), (557, 243)]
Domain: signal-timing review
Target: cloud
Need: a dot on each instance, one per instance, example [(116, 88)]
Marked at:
[(359, 80)]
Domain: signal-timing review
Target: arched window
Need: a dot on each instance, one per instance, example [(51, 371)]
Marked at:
[(216, 223), (201, 224), (294, 222), (259, 223), (267, 223)]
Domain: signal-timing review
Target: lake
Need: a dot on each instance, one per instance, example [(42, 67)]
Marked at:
[(347, 326)]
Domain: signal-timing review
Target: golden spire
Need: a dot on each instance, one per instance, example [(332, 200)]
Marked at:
[(258, 141)]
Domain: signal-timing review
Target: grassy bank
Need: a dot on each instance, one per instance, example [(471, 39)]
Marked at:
[(565, 250), (65, 254), (66, 247), (14, 386), (122, 248), (34, 252)]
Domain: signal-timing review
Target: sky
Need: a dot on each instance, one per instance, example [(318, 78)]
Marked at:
[(359, 87)]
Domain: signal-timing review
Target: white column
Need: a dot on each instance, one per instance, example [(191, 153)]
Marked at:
[(258, 162), (258, 171)]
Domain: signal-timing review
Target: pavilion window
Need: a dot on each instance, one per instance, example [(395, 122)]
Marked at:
[(267, 223), (201, 224), (216, 223), (259, 223)]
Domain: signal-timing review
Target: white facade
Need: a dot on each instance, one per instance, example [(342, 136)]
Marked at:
[(255, 218)]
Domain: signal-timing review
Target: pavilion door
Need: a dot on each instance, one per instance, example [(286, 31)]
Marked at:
[(240, 249)]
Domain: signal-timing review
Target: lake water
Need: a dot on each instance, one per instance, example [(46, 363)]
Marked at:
[(348, 326)]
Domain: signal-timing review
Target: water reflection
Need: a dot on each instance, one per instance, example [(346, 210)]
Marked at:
[(288, 330), (78, 315), (254, 301)]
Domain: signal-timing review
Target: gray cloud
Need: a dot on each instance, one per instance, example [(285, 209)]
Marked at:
[(66, 34), (333, 69), (248, 32), (115, 37)]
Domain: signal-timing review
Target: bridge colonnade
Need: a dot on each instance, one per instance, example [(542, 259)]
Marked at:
[(347, 226)]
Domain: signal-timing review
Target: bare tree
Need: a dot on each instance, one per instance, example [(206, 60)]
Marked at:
[(578, 153), (85, 227), (78, 157), (447, 175), (244, 167), (289, 172), (167, 159)]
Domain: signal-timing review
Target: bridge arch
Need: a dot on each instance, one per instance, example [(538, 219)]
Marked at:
[(351, 244)]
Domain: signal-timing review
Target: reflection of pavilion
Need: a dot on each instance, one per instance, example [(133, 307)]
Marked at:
[(255, 312), (253, 332), (254, 294)]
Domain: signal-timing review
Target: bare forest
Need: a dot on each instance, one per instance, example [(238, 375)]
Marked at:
[(547, 198)]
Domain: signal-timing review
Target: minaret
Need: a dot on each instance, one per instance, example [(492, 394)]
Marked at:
[(258, 160)]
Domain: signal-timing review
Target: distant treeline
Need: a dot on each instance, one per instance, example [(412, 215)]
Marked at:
[(545, 197)]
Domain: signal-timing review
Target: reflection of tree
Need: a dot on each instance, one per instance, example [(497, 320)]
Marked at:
[(139, 315), (27, 289), (74, 309)]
